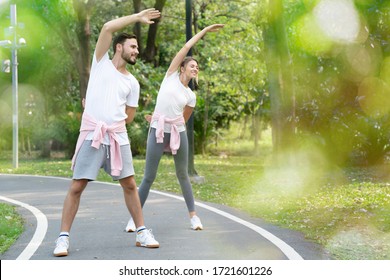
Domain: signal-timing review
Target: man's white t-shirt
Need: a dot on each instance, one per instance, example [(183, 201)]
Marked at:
[(172, 99), (108, 93)]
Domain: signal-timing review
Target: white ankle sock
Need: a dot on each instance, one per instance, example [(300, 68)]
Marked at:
[(141, 228)]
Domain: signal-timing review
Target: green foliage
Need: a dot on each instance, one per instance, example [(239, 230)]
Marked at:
[(233, 78), (65, 131), (138, 132), (47, 86), (341, 90)]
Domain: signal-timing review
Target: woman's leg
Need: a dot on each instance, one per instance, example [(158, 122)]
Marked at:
[(181, 164), (154, 152)]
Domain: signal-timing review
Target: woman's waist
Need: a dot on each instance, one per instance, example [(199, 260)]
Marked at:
[(168, 126)]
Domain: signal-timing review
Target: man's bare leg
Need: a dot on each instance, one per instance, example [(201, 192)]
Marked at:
[(132, 201), (71, 203), (69, 211), (144, 236)]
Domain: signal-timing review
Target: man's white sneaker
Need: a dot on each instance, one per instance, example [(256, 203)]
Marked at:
[(130, 226), (62, 246), (196, 224), (146, 239)]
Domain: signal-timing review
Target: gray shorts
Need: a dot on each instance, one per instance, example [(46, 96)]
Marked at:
[(89, 161)]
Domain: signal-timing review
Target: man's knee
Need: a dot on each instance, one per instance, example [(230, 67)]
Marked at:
[(77, 187), (128, 184)]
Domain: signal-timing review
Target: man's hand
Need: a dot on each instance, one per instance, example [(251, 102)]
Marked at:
[(147, 15)]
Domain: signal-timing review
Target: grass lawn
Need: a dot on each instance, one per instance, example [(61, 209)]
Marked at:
[(11, 226), (346, 211)]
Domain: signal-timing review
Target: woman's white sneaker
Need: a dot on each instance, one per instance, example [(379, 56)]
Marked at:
[(195, 223)]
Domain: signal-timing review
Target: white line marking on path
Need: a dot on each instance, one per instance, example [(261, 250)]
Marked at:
[(40, 231), (287, 250), (283, 246)]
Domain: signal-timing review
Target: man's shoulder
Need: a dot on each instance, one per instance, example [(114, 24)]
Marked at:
[(104, 58), (133, 83), (132, 78)]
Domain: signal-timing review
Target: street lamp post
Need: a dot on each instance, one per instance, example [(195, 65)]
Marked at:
[(5, 43), (14, 44), (190, 123), (15, 131)]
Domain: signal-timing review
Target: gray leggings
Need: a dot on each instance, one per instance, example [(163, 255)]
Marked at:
[(154, 152)]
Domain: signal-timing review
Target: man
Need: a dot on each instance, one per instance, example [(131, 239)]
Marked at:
[(111, 101)]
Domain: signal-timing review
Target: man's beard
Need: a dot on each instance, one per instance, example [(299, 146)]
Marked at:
[(129, 60)]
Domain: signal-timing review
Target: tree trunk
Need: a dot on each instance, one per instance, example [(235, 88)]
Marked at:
[(137, 26), (205, 119), (242, 128), (274, 89), (256, 129), (46, 148), (83, 10), (149, 54), (280, 79)]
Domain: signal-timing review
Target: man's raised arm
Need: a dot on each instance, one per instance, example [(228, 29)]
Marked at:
[(112, 26)]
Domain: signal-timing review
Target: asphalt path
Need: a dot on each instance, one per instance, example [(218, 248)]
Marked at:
[(98, 230)]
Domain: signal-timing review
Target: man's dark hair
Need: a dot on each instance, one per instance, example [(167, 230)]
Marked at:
[(121, 38)]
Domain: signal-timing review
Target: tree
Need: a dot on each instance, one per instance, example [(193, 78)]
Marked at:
[(149, 53), (341, 101), (232, 86), (281, 87)]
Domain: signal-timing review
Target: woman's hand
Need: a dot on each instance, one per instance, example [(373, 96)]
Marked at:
[(148, 118), (214, 27)]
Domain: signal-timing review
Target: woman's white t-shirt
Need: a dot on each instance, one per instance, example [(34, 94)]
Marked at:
[(108, 93), (172, 99)]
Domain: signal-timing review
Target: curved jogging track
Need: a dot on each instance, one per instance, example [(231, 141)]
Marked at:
[(42, 222), (40, 231)]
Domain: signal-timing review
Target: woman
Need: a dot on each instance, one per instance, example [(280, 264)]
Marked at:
[(174, 106)]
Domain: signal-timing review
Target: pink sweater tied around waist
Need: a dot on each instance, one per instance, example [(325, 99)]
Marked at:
[(99, 129), (174, 143)]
